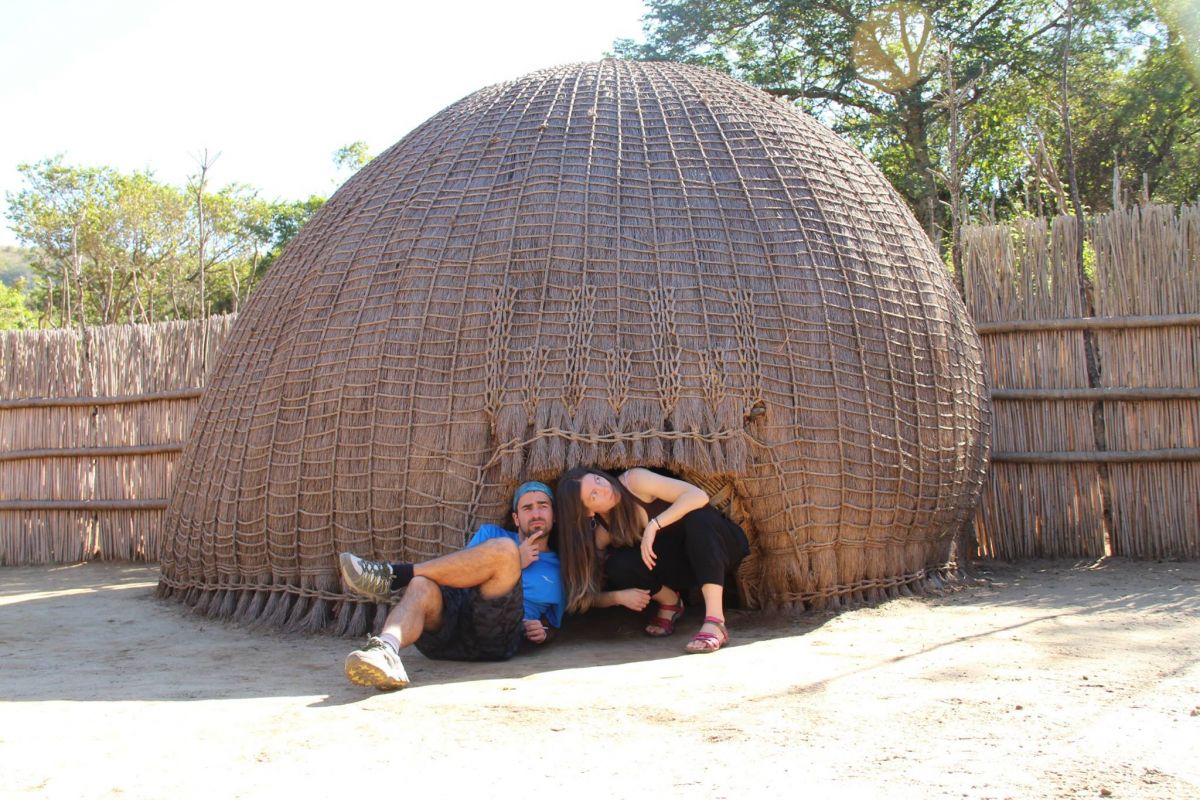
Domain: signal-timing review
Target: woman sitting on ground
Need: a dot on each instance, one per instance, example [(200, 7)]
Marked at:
[(641, 537)]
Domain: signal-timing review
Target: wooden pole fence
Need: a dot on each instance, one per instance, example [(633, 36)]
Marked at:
[(1087, 323), (111, 400), (124, 504), (90, 452), (1110, 466), (1115, 393), (1101, 457)]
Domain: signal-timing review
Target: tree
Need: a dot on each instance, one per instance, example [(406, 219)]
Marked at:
[(114, 247), (149, 237), (107, 245), (869, 68), (196, 186), (239, 239), (62, 214), (875, 71), (1143, 124), (282, 222)]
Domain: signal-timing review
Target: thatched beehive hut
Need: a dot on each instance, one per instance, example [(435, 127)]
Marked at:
[(614, 263)]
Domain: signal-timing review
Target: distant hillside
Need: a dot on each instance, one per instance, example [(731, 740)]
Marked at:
[(14, 264)]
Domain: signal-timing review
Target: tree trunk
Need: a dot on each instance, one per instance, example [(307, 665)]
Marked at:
[(77, 265), (955, 171), (1090, 346), (916, 134), (64, 307)]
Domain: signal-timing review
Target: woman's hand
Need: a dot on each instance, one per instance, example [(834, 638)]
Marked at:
[(684, 498), (633, 599), (648, 556)]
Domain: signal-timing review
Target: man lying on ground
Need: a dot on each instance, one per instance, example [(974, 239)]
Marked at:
[(473, 605)]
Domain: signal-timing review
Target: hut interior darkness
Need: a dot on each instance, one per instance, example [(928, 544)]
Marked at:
[(613, 263)]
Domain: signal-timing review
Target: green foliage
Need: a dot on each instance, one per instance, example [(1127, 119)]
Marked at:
[(14, 314), (1143, 122), (1089, 259), (887, 75), (114, 247), (284, 222), (352, 157)]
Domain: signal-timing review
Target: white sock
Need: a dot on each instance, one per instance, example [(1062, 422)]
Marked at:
[(390, 641)]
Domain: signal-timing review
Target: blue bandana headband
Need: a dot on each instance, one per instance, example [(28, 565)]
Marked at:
[(531, 486)]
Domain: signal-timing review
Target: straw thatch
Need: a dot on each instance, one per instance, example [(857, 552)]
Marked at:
[(614, 263)]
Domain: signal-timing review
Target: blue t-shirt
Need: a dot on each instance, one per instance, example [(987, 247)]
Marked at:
[(540, 581)]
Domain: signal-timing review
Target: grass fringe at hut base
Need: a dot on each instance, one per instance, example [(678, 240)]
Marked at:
[(312, 610)]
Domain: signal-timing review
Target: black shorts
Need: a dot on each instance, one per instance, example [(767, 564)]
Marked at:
[(476, 629)]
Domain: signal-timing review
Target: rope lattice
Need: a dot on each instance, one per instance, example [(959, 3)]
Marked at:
[(614, 263)]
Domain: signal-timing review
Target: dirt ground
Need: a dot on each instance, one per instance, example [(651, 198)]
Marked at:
[(1038, 680)]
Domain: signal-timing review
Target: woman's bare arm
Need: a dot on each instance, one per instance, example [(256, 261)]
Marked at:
[(684, 497)]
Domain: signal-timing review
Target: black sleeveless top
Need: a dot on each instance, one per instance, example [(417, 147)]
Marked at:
[(653, 508)]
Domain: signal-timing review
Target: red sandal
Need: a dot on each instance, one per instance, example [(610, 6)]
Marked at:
[(665, 626), (705, 642)]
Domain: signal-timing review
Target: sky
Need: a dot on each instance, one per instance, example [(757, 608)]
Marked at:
[(268, 88)]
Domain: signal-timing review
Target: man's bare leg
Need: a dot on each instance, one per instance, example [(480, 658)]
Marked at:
[(419, 610), (378, 664), (494, 566)]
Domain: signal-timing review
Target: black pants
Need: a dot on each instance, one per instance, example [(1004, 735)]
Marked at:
[(702, 547)]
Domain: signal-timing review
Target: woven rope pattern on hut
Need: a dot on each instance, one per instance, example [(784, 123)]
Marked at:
[(613, 263), (297, 606)]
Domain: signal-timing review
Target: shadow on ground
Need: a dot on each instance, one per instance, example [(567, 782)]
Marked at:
[(96, 632)]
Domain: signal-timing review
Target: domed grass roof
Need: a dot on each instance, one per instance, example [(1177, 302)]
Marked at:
[(613, 263)]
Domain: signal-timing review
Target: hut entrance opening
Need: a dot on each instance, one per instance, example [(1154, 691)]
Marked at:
[(724, 496)]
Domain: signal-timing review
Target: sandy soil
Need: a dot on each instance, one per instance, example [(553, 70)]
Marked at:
[(1040, 680)]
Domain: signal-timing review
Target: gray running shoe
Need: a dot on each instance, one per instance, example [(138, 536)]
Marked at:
[(361, 575), (376, 665)]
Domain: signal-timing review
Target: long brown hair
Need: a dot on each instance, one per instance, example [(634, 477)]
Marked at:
[(582, 565)]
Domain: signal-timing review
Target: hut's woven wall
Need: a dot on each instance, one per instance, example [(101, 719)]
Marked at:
[(613, 263), (92, 423), (1081, 469)]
